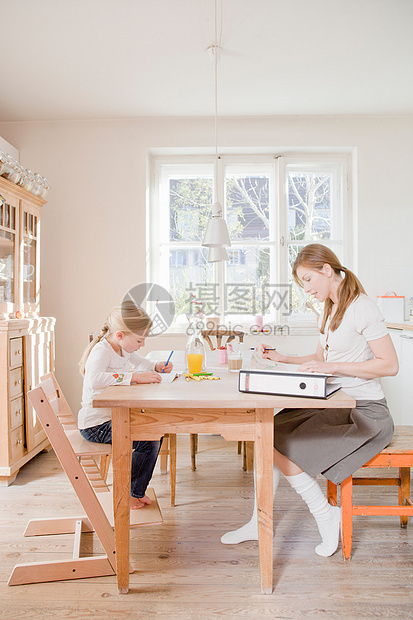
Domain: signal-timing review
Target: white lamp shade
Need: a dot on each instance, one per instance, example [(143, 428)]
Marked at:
[(216, 233), (217, 254)]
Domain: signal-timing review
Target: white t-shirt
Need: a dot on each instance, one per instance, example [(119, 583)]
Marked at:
[(105, 367), (361, 323)]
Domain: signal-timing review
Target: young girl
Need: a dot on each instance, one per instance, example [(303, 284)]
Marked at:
[(111, 359), (354, 346)]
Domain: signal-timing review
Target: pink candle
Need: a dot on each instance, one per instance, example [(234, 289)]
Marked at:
[(259, 322)]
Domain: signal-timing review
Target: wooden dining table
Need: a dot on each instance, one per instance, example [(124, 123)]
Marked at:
[(148, 411)]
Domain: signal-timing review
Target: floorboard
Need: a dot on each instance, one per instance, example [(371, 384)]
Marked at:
[(182, 571)]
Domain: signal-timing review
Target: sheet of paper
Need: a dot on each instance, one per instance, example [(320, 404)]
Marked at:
[(168, 377)]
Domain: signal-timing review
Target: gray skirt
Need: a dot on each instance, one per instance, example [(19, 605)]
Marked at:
[(333, 442)]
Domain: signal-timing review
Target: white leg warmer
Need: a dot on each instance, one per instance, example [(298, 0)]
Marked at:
[(327, 517)]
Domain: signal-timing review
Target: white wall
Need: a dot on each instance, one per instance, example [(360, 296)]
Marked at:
[(93, 231)]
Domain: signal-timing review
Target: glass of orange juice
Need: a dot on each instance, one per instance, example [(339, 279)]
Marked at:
[(194, 361), (195, 350)]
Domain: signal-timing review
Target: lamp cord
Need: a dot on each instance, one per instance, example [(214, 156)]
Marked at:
[(216, 101)]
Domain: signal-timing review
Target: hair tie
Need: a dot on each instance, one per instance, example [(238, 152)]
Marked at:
[(103, 331), (343, 269)]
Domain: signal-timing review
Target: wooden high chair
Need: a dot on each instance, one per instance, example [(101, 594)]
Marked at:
[(398, 454), (97, 506), (95, 456)]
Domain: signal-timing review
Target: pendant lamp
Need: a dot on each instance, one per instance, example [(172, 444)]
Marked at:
[(217, 254), (216, 234)]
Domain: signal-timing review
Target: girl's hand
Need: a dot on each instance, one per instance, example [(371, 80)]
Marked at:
[(146, 377), (314, 366), (160, 366), (270, 355)]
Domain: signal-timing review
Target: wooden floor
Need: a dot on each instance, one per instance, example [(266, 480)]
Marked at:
[(182, 571)]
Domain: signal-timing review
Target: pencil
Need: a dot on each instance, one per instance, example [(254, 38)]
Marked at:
[(167, 362)]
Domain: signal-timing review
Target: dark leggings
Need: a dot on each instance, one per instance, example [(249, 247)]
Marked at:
[(144, 456)]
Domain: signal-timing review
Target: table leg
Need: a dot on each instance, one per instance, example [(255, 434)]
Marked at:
[(264, 441), (122, 458)]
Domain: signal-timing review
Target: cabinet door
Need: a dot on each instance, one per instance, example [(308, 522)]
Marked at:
[(8, 253), (29, 257)]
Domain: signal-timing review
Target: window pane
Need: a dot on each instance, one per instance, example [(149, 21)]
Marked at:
[(190, 201), (247, 279), (310, 205), (247, 206), (190, 279)]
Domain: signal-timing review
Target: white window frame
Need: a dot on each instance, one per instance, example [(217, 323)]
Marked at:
[(278, 235)]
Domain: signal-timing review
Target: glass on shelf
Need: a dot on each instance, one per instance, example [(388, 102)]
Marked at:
[(37, 184), (29, 270), (28, 180), (15, 173), (45, 187), (7, 244), (22, 171), (6, 165), (3, 162)]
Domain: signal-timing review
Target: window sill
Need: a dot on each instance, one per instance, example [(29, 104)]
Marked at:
[(294, 328)]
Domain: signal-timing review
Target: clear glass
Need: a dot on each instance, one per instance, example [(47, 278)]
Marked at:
[(45, 188), (247, 281), (7, 246), (190, 201), (28, 180), (235, 352), (29, 270), (3, 163), (195, 354), (310, 208), (248, 205), (7, 165), (37, 184), (190, 272)]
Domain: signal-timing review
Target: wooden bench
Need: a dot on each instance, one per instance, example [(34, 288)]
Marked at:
[(398, 454)]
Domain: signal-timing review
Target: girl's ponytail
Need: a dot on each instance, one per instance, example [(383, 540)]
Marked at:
[(127, 318), (103, 332)]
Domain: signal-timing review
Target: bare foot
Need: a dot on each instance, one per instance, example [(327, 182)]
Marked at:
[(136, 503)]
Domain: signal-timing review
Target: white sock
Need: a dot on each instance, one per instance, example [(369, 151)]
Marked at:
[(328, 518), (249, 531)]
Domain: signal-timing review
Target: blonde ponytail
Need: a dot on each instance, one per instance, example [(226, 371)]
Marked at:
[(315, 256), (127, 318)]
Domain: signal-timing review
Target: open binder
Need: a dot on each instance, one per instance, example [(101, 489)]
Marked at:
[(286, 383)]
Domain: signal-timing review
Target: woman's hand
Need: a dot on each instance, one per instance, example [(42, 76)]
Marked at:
[(270, 354), (160, 366), (326, 368), (146, 377)]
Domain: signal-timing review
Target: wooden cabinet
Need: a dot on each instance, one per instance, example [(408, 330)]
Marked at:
[(26, 340)]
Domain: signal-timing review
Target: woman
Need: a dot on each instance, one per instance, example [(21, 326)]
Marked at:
[(354, 346)]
